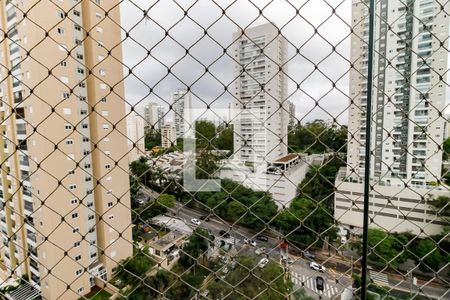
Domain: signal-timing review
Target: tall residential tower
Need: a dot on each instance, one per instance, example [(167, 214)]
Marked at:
[(64, 178), (260, 106), (408, 99)]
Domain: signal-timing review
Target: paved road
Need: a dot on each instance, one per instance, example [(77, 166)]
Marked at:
[(300, 273), (338, 272)]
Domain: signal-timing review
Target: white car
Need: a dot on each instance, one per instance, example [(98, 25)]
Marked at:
[(260, 251), (246, 240), (263, 262), (196, 221), (316, 267), (252, 243)]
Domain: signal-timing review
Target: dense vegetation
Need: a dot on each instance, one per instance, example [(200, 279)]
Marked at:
[(317, 136), (393, 249)]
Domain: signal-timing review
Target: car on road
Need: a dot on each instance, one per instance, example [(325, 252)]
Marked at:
[(262, 237), (309, 254), (224, 234), (196, 221), (252, 243), (260, 251), (287, 260), (319, 283), (316, 267), (263, 262), (204, 218)]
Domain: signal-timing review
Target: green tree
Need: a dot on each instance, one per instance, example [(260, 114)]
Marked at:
[(166, 200), (428, 254), (446, 149), (205, 131), (266, 283), (224, 140), (198, 243), (152, 139), (385, 249)]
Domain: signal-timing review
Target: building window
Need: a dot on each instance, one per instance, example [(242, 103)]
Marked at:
[(74, 201), (71, 172), (107, 166), (76, 13), (104, 113), (93, 254), (76, 244), (69, 142), (63, 63), (79, 272), (110, 204), (67, 111), (60, 14), (85, 139), (67, 126), (98, 15), (103, 99), (72, 186), (90, 217), (99, 29), (78, 257), (80, 71), (74, 215), (80, 56), (84, 126), (110, 217), (64, 79), (77, 27), (60, 30), (76, 229), (105, 126), (66, 95), (80, 290)]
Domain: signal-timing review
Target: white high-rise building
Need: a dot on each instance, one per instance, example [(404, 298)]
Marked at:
[(260, 106), (168, 135), (182, 103), (152, 117), (135, 136), (292, 119), (410, 93), (408, 99)]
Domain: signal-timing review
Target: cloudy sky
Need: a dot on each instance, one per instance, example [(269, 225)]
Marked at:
[(314, 30)]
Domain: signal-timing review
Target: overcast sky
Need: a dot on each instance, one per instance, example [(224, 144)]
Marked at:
[(188, 32)]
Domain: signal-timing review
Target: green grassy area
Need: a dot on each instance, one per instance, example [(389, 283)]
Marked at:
[(102, 295)]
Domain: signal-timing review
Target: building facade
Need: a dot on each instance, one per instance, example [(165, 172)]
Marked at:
[(153, 116), (292, 118), (181, 105), (135, 136), (168, 136), (409, 96), (409, 93), (65, 166), (260, 108)]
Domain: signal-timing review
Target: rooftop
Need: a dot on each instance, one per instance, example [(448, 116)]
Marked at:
[(287, 158)]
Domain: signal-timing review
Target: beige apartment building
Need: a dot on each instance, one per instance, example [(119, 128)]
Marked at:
[(65, 217)]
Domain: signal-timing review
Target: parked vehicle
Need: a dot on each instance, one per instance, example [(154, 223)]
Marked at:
[(316, 267), (262, 237), (287, 260), (224, 234), (263, 262), (204, 218), (252, 243), (260, 251), (309, 255)]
